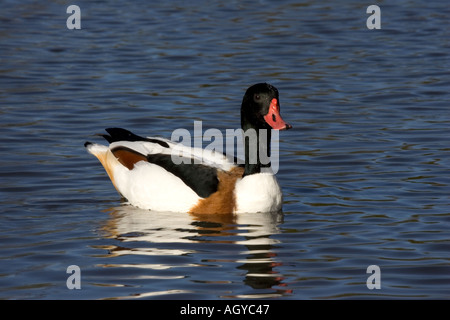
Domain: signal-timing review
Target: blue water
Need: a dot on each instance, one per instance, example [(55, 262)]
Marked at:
[(365, 172)]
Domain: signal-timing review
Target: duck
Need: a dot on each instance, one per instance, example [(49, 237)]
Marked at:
[(146, 173)]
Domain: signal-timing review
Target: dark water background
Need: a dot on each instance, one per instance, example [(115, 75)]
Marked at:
[(365, 171)]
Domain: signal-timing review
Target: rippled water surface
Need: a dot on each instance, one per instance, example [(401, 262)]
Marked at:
[(365, 171)]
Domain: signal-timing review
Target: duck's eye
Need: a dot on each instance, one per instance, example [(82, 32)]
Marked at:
[(257, 97)]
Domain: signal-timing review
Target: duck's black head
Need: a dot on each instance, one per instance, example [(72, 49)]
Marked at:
[(260, 108), (260, 111)]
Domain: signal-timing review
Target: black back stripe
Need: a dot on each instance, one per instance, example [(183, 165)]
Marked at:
[(200, 178)]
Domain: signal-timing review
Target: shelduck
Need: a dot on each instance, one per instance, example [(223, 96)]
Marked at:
[(144, 172)]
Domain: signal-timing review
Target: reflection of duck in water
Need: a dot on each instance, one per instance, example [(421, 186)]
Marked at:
[(247, 241), (129, 223), (143, 170)]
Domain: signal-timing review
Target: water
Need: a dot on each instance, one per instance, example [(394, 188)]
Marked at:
[(365, 171)]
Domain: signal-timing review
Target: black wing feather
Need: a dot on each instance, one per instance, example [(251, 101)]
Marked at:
[(119, 134)]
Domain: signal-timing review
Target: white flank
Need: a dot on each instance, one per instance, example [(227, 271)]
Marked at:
[(148, 186)]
